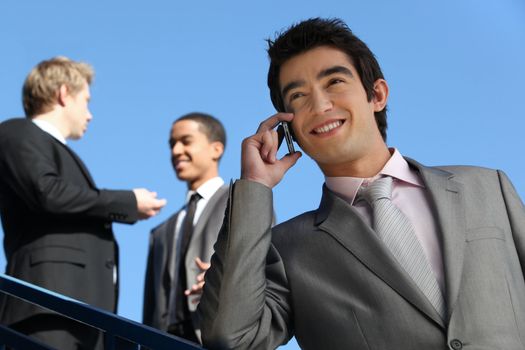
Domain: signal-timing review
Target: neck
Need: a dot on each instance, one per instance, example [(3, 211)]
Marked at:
[(54, 117), (363, 167), (194, 185)]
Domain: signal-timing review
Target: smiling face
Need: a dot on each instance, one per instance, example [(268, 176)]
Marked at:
[(333, 121), (194, 158)]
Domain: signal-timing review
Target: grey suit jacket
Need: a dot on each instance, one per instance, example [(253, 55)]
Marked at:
[(326, 278), (159, 279)]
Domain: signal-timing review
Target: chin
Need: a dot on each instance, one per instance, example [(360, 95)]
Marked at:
[(330, 158), (184, 177), (180, 176)]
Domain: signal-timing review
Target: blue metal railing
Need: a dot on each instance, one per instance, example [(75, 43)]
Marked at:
[(119, 333)]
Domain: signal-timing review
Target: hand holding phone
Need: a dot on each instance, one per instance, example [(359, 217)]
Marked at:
[(259, 161)]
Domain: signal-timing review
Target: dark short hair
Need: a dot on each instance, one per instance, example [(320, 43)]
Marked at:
[(209, 125), (315, 32)]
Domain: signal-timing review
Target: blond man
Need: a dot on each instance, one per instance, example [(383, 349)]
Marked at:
[(56, 221)]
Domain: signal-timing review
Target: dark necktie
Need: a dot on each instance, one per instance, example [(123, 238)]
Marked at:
[(182, 312)]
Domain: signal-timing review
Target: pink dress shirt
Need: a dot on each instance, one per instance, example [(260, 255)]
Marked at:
[(409, 195)]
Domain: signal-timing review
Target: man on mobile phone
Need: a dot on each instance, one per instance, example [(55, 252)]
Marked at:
[(397, 256)]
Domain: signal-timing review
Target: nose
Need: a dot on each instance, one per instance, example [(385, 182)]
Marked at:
[(177, 149), (89, 116), (320, 102)]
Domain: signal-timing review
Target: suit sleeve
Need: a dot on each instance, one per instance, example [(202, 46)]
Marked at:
[(32, 172), (516, 214), (245, 303)]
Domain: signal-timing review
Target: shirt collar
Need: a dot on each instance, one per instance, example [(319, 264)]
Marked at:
[(397, 167), (207, 189), (50, 129)]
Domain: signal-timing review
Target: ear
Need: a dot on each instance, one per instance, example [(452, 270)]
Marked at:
[(380, 95), (63, 93), (217, 150)]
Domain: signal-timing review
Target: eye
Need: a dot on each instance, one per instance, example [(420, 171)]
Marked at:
[(335, 81), (295, 96)]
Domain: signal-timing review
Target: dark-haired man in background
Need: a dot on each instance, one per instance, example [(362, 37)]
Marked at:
[(56, 221), (397, 256), (181, 247)]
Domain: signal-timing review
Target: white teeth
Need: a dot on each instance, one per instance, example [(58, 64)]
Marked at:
[(328, 127)]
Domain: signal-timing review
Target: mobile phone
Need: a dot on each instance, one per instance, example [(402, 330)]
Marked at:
[(288, 137)]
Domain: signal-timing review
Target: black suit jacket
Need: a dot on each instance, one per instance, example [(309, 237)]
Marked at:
[(57, 223)]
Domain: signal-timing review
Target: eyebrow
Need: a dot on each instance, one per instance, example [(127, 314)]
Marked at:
[(182, 138), (322, 74), (335, 70)]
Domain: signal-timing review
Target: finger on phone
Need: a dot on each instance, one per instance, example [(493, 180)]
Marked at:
[(280, 135), (274, 120)]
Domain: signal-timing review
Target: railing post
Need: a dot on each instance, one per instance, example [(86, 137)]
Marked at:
[(123, 344), (109, 341)]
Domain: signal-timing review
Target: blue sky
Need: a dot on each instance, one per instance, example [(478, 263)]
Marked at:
[(455, 71)]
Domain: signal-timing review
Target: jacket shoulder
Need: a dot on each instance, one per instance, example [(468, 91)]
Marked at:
[(469, 173), (16, 125), (20, 130), (222, 193), (458, 172), (220, 197), (160, 228), (294, 228), (465, 169)]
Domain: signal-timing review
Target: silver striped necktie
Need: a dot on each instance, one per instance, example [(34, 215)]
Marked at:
[(396, 231)]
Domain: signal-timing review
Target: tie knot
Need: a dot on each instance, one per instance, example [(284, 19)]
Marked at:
[(194, 198), (380, 188)]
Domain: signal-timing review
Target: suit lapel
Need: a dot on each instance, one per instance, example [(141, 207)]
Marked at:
[(80, 163), (448, 200), (200, 241), (82, 167), (198, 230), (340, 220), (77, 159), (169, 265)]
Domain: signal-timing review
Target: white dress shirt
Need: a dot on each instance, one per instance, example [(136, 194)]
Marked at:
[(50, 129)]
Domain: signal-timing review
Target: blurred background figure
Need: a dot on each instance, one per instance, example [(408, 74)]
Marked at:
[(56, 221), (180, 248)]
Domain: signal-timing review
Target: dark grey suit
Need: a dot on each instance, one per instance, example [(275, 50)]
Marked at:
[(326, 278), (57, 223), (159, 279)]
